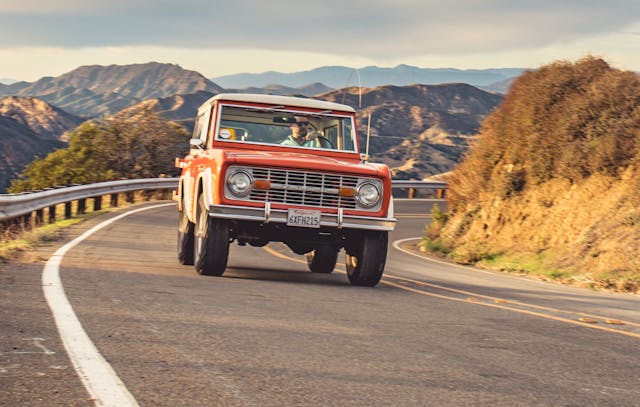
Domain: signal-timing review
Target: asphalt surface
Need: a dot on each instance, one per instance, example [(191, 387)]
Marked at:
[(270, 333)]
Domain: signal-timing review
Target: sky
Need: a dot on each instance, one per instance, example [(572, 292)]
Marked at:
[(219, 37)]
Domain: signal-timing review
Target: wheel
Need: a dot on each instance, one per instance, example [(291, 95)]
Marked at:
[(211, 243), (365, 262), (323, 139), (185, 238), (323, 259)]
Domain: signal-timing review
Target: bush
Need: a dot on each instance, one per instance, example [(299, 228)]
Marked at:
[(562, 121)]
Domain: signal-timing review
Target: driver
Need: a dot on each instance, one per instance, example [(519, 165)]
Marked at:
[(301, 135)]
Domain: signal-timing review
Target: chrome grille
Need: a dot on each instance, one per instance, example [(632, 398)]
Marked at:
[(304, 188)]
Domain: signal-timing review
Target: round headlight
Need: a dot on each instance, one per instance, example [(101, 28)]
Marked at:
[(239, 183), (367, 194)]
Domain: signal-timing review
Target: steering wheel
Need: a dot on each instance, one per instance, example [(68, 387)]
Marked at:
[(323, 139)]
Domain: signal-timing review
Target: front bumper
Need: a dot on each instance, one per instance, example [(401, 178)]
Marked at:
[(268, 215)]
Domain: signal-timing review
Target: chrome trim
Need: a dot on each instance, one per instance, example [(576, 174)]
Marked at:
[(280, 216), (373, 184), (229, 188), (340, 217), (267, 212)]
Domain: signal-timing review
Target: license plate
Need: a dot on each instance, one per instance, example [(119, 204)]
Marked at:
[(303, 218)]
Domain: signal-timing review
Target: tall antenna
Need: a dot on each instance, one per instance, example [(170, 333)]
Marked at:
[(368, 134), (344, 94)]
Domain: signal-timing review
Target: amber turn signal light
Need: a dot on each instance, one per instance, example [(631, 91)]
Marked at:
[(261, 184), (348, 192)]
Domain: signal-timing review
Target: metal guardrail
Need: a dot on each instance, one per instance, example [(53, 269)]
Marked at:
[(419, 184), (15, 205)]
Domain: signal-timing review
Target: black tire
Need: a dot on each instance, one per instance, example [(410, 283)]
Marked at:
[(185, 238), (365, 264), (323, 259), (211, 243)]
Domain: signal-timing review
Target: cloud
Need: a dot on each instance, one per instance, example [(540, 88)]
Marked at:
[(372, 28)]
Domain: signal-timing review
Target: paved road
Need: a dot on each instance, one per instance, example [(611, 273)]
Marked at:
[(271, 333)]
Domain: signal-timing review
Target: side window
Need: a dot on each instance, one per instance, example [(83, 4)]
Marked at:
[(347, 136), (197, 128), (332, 134), (205, 125)]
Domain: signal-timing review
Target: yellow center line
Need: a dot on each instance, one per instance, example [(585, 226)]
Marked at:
[(475, 301), (540, 307)]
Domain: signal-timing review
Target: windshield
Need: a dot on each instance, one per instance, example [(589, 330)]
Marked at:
[(292, 129)]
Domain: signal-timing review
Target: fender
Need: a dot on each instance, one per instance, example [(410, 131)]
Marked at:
[(185, 192), (205, 178)]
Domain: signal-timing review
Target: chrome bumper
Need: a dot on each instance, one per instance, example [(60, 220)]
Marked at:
[(268, 215)]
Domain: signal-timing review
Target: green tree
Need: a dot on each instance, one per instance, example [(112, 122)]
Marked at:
[(140, 147)]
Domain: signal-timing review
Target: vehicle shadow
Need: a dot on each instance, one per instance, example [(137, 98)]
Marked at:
[(288, 276)]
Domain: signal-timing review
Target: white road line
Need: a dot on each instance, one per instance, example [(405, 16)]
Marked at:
[(397, 243), (97, 375)]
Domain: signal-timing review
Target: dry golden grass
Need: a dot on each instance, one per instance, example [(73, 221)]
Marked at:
[(555, 175)]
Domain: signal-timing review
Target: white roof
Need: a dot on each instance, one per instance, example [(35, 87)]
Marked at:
[(287, 101)]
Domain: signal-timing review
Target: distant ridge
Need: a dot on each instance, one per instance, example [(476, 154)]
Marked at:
[(94, 90), (371, 76), (274, 89)]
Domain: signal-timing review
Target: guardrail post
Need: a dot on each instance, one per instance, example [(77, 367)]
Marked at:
[(67, 210), (97, 203), (441, 193), (25, 221), (160, 194), (52, 214), (114, 200), (412, 193), (129, 196), (82, 206), (39, 219)]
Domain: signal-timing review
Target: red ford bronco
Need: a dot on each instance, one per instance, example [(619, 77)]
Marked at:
[(282, 169)]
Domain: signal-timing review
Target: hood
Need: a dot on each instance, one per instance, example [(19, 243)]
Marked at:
[(304, 161)]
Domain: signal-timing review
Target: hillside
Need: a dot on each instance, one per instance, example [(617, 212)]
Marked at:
[(553, 184), (178, 108), (19, 146), (91, 91), (418, 130), (29, 127), (45, 120)]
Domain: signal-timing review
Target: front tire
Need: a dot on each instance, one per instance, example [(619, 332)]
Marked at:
[(185, 238), (323, 259), (211, 243), (366, 259)]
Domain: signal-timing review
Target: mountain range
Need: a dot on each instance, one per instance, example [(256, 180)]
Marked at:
[(341, 76), (417, 129)]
